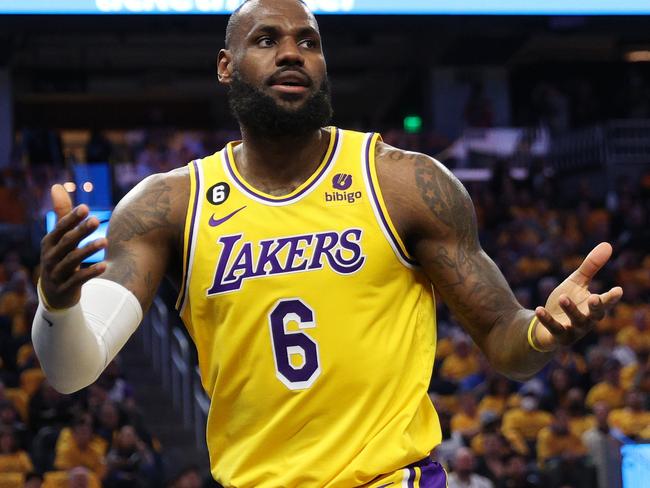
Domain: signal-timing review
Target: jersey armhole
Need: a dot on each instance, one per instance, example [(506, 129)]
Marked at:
[(190, 233), (377, 201)]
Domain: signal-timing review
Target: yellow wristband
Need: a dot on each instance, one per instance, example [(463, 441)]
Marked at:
[(43, 300), (531, 341)]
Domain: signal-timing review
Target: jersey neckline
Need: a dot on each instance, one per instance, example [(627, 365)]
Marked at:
[(302, 190)]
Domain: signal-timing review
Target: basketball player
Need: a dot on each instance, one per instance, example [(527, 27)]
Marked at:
[(305, 257)]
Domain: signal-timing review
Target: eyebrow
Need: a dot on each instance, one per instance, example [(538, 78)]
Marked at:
[(275, 30)]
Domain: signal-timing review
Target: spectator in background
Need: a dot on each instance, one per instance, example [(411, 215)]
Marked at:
[(517, 474), (464, 475), (579, 419), (633, 418), (79, 446), (467, 422), (603, 445), (632, 373), (13, 459), (491, 464), (637, 335), (527, 419), (48, 407), (108, 421), (609, 390), (556, 444), (556, 394), (130, 462), (462, 362), (497, 397)]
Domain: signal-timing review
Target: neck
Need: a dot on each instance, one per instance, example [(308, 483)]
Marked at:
[(278, 165)]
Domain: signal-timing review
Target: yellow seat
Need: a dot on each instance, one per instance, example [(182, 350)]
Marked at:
[(12, 480), (20, 399), (31, 379)]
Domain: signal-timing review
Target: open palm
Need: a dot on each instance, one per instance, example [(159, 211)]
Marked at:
[(571, 310)]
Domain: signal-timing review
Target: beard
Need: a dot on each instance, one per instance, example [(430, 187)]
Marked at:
[(260, 114)]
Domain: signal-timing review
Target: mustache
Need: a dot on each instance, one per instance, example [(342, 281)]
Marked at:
[(271, 80)]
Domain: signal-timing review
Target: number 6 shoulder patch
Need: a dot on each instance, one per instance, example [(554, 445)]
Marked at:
[(218, 194)]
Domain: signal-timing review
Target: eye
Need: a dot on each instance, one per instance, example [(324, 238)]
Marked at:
[(265, 41), (309, 43)]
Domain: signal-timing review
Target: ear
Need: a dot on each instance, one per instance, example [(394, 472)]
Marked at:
[(224, 67)]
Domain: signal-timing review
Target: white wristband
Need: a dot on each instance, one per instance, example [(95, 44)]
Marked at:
[(74, 345)]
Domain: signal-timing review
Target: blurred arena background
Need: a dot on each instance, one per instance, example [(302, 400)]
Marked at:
[(543, 111)]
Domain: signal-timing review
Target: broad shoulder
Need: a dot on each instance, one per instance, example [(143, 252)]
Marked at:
[(157, 203), (421, 194)]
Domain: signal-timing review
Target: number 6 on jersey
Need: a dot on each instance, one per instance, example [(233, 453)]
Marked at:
[(289, 344)]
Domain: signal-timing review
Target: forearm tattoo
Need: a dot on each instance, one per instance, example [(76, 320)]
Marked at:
[(467, 277)]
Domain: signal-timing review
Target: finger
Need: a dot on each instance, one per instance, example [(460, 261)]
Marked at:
[(611, 297), (595, 260), (69, 242), (73, 260), (66, 223), (577, 318), (596, 307), (60, 201), (83, 275), (547, 320)]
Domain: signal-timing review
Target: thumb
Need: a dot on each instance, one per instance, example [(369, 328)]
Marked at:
[(60, 201), (595, 260)]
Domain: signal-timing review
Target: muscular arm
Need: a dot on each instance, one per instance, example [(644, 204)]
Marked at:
[(145, 233), (435, 216), (77, 334)]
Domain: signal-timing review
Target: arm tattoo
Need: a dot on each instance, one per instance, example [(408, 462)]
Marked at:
[(147, 212), (469, 279)]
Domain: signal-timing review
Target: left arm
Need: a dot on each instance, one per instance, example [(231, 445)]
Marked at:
[(436, 219)]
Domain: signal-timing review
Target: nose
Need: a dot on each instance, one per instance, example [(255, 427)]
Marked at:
[(288, 54)]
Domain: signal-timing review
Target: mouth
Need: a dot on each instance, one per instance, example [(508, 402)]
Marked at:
[(291, 82)]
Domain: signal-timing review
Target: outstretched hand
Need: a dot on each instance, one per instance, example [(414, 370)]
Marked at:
[(571, 310), (61, 274)]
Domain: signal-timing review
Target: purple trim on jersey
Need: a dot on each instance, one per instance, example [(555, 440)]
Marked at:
[(325, 167), (190, 238), (433, 474), (375, 198)]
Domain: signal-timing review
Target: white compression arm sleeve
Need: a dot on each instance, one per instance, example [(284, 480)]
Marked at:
[(75, 345)]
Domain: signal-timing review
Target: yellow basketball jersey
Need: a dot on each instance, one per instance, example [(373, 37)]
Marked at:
[(315, 332)]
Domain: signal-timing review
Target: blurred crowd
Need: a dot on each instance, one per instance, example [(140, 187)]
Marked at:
[(563, 429)]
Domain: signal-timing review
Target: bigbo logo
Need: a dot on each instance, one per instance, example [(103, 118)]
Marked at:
[(342, 182)]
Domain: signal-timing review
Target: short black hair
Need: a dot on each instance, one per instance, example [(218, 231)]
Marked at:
[(234, 19)]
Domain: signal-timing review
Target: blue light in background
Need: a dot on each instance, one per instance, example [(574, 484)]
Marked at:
[(636, 465), (505, 7), (102, 215)]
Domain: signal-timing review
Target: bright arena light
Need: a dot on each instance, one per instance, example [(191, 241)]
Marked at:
[(70, 187), (641, 56)]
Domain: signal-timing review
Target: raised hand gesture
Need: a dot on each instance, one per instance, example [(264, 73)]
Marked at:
[(61, 273), (571, 310)]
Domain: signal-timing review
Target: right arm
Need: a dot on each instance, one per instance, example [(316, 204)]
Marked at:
[(76, 334)]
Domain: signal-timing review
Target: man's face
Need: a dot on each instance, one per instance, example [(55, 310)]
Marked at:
[(275, 69)]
